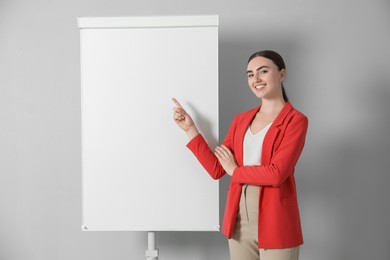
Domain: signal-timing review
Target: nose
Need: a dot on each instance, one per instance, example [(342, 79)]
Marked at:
[(257, 76)]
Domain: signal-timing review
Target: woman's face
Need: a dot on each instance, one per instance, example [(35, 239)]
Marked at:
[(264, 78)]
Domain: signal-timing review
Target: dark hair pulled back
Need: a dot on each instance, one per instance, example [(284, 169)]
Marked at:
[(276, 59)]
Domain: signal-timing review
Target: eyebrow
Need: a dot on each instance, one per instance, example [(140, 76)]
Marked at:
[(249, 71)]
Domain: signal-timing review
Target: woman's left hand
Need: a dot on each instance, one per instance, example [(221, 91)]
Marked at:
[(226, 158)]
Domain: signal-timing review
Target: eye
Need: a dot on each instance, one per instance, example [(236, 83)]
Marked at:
[(250, 75), (263, 71)]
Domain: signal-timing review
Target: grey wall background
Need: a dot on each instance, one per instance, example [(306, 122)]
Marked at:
[(338, 61)]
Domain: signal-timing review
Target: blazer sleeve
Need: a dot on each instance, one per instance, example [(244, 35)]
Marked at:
[(283, 161), (206, 156)]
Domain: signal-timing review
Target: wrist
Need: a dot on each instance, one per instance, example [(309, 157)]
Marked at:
[(232, 171), (192, 132)]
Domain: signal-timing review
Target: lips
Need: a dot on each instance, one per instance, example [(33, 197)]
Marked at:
[(259, 86)]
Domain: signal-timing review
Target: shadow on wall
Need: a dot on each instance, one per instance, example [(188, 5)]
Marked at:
[(343, 180), (362, 161)]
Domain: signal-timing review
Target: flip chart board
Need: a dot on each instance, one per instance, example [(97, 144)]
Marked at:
[(137, 173)]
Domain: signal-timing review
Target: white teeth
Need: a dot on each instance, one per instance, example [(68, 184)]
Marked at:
[(260, 86)]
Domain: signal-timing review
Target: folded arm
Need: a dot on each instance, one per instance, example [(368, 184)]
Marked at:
[(283, 160), (206, 156)]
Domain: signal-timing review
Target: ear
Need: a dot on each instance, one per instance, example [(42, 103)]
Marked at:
[(282, 74)]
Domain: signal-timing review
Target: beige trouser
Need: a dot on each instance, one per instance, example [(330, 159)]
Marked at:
[(244, 243)]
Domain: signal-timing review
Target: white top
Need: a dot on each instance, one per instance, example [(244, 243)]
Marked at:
[(253, 145)]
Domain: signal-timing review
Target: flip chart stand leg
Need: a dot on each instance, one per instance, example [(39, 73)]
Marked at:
[(152, 252)]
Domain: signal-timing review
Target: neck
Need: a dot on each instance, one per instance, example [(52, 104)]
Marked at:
[(271, 106)]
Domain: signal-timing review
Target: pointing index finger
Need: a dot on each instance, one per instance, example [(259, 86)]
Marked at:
[(176, 102)]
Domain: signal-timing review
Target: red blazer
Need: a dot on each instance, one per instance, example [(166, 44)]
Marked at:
[(279, 222)]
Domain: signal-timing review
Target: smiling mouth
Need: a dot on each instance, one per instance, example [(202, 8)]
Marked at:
[(260, 86)]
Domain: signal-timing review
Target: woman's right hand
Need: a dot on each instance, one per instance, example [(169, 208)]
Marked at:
[(184, 120)]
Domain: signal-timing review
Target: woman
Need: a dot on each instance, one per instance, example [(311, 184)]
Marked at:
[(260, 152)]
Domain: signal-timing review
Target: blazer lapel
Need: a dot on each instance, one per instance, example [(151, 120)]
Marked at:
[(241, 129), (272, 134)]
